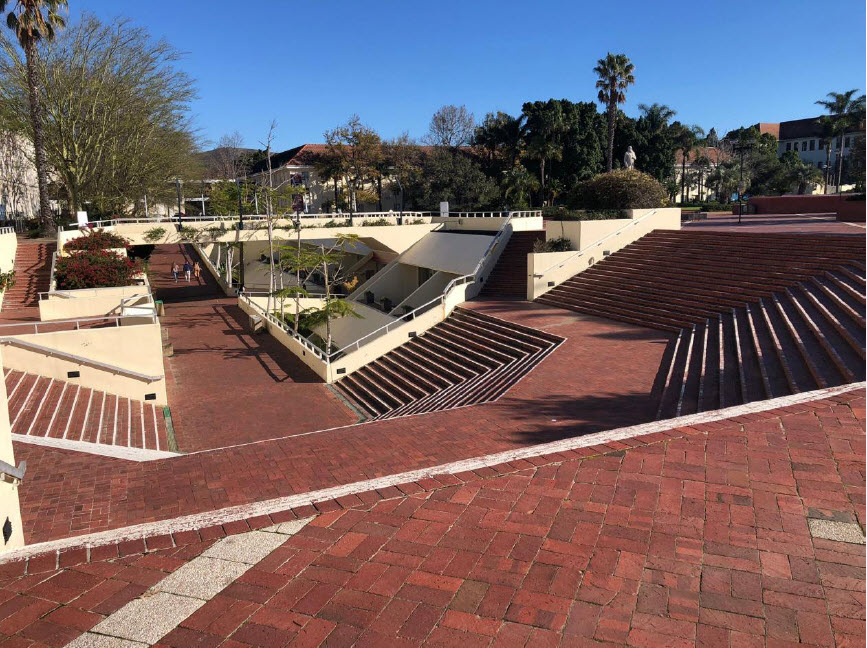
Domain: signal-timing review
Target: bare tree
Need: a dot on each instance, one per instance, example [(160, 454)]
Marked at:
[(227, 156), (451, 126)]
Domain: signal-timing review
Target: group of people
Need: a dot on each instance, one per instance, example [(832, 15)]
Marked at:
[(190, 270)]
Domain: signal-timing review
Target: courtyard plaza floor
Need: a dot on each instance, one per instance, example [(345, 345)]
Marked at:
[(733, 533), (776, 224)]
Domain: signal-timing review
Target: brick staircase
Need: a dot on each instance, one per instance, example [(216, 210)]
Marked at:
[(46, 407), (32, 275), (751, 316), (469, 358), (509, 276)]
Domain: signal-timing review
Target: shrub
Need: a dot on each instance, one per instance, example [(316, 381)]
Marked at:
[(376, 222), (94, 269), (621, 189), (7, 280), (334, 223), (154, 234), (97, 239), (554, 245), (563, 214)]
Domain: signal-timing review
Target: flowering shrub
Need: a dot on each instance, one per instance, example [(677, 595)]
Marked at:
[(94, 269), (97, 239)]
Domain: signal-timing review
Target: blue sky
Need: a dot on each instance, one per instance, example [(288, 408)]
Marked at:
[(311, 64)]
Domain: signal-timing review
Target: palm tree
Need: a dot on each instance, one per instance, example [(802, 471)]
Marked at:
[(845, 111), (687, 139), (615, 75), (826, 124), (33, 21), (657, 116)]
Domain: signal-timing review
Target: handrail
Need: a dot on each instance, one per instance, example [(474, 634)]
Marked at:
[(357, 344), (96, 364), (7, 230), (77, 321), (52, 281), (579, 253), (457, 281)]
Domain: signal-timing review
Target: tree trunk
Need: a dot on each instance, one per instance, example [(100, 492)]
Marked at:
[(840, 161), (379, 191), (612, 116), (827, 164), (298, 271), (46, 218), (327, 312), (542, 183), (683, 177)]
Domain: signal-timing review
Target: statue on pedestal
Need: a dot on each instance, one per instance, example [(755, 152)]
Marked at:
[(629, 158)]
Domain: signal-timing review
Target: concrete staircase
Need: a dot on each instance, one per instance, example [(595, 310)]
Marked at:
[(509, 276), (752, 316), (46, 407), (32, 275), (469, 358)]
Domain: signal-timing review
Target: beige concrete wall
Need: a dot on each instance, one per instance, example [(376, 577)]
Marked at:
[(550, 269), (490, 223), (396, 283), (8, 247), (134, 347), (430, 289), (9, 506), (306, 355), (346, 330), (94, 302), (394, 237)]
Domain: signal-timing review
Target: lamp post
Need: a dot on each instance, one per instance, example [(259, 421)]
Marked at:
[(180, 200), (240, 229), (741, 147)]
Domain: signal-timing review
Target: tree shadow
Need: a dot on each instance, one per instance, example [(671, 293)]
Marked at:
[(562, 416)]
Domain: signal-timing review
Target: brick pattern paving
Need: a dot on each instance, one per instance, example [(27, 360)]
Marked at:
[(604, 384), (700, 538)]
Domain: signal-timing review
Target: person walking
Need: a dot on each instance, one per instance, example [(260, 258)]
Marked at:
[(187, 270), (176, 269), (197, 270)]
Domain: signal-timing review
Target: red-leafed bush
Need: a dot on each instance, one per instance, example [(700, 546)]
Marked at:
[(94, 269), (97, 239)]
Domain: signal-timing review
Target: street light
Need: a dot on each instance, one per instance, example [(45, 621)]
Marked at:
[(741, 147)]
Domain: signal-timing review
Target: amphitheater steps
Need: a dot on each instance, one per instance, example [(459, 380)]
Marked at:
[(469, 358), (32, 275), (509, 276), (46, 407), (750, 316)]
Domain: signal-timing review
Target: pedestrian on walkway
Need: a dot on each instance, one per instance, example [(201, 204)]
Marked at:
[(187, 270), (197, 270), (176, 269)]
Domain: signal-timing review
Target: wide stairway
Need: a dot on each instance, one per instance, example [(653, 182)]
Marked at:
[(752, 316), (32, 275), (468, 359), (509, 276), (47, 407)]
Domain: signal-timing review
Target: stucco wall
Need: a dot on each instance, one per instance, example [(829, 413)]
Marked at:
[(818, 204), (136, 347), (94, 302), (9, 506)]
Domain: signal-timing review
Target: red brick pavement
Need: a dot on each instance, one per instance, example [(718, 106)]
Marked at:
[(226, 386), (699, 539), (776, 224), (598, 379)]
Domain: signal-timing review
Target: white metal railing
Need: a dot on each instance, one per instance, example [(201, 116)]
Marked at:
[(589, 248), (440, 299), (74, 324), (53, 281), (77, 359), (248, 218), (511, 214), (7, 230)]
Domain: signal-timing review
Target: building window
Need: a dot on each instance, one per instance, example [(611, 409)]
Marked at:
[(820, 145), (788, 146), (796, 146), (847, 142), (812, 145)]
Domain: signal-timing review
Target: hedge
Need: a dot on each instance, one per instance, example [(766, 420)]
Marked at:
[(620, 189), (94, 269), (563, 214), (97, 239)]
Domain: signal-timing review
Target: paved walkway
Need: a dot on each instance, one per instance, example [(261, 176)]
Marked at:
[(226, 386), (715, 535), (600, 378), (777, 224)]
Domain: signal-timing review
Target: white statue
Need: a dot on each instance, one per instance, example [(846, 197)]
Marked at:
[(629, 158)]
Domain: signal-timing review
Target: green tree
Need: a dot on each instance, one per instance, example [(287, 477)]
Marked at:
[(543, 127), (847, 111), (454, 176), (34, 21), (614, 76), (828, 129), (518, 185), (356, 153), (687, 138), (499, 140), (656, 145)]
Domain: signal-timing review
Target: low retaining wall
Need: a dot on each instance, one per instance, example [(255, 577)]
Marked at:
[(840, 204)]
